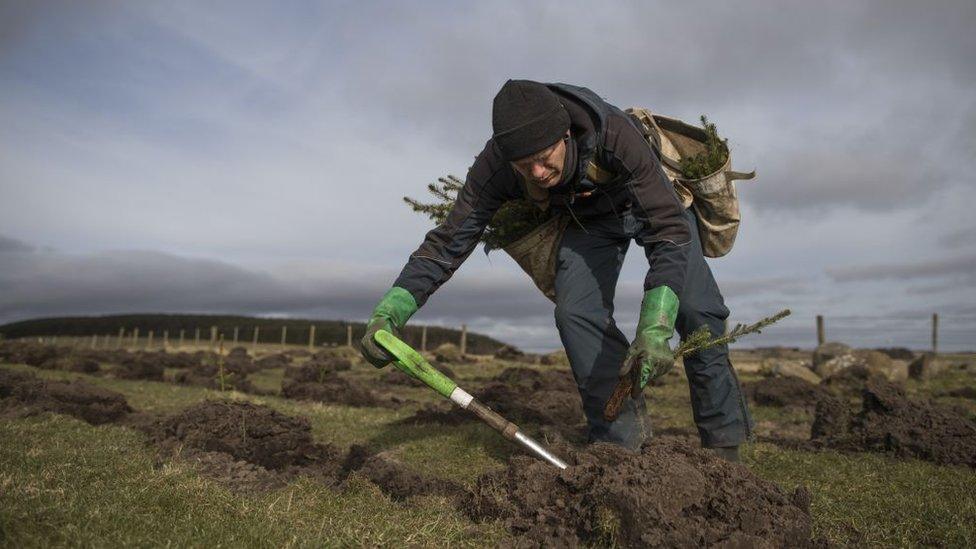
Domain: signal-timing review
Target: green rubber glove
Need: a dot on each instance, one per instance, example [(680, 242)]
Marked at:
[(390, 314), (650, 356)]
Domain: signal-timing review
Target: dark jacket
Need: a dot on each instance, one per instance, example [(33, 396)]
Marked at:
[(600, 132)]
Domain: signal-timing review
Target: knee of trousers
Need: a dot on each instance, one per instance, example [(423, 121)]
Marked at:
[(580, 313), (694, 313)]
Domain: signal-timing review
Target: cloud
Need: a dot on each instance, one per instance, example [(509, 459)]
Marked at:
[(921, 269), (8, 244)]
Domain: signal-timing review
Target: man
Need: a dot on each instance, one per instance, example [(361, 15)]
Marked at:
[(545, 135)]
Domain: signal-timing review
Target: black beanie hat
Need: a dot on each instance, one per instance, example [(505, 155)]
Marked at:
[(526, 118)]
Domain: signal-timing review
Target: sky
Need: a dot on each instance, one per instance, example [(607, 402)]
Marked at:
[(246, 157)]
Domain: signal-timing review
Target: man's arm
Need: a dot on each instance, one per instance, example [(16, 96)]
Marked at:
[(446, 246), (666, 235)]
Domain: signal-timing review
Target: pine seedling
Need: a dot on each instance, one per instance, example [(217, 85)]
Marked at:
[(709, 160), (514, 220)]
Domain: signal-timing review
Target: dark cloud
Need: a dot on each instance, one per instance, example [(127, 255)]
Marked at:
[(8, 244)]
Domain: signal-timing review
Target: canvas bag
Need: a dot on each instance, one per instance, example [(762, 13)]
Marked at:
[(713, 197)]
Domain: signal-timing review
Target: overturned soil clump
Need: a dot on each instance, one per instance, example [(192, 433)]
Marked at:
[(523, 396), (890, 422), (394, 478), (334, 389), (24, 394), (671, 494), (245, 431), (784, 392), (252, 447)]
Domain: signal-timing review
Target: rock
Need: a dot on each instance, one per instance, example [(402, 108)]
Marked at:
[(827, 352), (791, 368), (898, 353), (836, 364)]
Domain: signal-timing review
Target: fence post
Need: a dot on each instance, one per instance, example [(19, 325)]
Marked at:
[(935, 333), (254, 340), (118, 344), (284, 336), (311, 337), (149, 341), (181, 338), (135, 336), (821, 334), (196, 337), (94, 343), (349, 335), (235, 335), (423, 338), (464, 339), (165, 339), (213, 337)]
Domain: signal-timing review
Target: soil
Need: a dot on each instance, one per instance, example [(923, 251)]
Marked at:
[(892, 423), (333, 389), (962, 392), (784, 392), (523, 396), (71, 363), (671, 494), (249, 447), (144, 367), (396, 479), (23, 394), (272, 361), (249, 432), (315, 370)]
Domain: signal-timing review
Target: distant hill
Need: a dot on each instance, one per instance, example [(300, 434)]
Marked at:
[(269, 329)]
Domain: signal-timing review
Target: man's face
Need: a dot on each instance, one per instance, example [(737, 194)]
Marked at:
[(543, 169)]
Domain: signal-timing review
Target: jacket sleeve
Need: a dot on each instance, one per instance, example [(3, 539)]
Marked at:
[(446, 246), (666, 236)]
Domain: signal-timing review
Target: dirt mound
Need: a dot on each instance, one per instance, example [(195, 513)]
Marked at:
[(396, 479), (272, 361), (889, 422), (229, 382), (249, 432), (25, 394), (784, 391), (26, 352), (962, 392), (316, 370), (532, 379), (332, 389), (143, 366), (559, 411), (670, 494), (71, 363), (521, 395)]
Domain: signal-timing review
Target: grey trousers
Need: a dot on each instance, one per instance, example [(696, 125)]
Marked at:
[(587, 270)]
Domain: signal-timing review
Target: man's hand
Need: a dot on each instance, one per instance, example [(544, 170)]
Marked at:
[(650, 356), (390, 314)]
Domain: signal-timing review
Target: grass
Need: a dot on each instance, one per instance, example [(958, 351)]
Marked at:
[(64, 482)]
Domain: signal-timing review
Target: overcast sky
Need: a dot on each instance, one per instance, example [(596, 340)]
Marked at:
[(247, 157)]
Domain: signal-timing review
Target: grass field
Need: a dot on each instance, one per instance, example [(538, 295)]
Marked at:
[(64, 482)]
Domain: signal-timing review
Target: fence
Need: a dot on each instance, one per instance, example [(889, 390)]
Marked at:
[(130, 339)]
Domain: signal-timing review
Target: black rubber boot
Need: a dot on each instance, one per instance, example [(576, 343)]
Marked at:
[(730, 453)]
